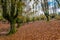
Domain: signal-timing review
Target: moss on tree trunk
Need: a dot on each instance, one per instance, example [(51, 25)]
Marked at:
[(12, 27), (47, 18)]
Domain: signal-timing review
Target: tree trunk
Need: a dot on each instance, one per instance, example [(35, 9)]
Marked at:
[(47, 18), (47, 15), (12, 27)]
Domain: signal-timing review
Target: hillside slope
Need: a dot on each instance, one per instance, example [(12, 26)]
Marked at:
[(39, 30)]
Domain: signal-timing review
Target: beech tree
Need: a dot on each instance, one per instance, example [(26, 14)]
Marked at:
[(11, 9), (45, 8)]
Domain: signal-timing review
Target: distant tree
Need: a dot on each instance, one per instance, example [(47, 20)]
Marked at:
[(58, 1), (45, 8), (20, 5)]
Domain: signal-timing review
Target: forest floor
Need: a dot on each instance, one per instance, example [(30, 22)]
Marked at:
[(38, 30)]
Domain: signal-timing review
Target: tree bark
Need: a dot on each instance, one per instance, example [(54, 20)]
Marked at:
[(12, 27)]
